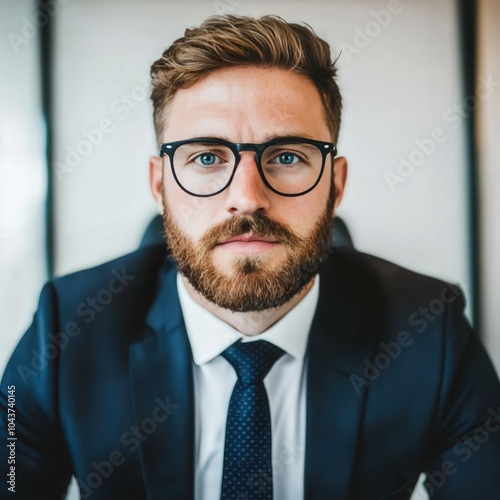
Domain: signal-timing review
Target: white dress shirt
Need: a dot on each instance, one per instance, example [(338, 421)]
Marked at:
[(214, 380)]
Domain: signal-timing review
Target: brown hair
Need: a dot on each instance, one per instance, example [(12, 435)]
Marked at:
[(225, 41)]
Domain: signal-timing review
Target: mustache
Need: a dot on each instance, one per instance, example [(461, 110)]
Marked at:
[(257, 224)]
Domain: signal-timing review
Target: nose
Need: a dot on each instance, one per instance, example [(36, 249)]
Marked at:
[(247, 192)]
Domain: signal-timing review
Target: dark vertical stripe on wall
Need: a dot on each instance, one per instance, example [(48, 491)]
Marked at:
[(468, 49), (46, 21)]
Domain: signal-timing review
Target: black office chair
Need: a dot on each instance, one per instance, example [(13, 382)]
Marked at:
[(155, 234), (341, 236)]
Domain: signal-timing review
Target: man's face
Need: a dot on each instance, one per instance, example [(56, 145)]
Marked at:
[(276, 242)]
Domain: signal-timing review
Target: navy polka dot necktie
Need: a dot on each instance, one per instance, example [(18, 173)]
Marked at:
[(247, 472)]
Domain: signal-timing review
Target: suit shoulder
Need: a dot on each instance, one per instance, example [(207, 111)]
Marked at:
[(377, 275), (113, 297)]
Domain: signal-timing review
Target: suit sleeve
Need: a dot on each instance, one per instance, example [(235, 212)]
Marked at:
[(464, 461), (30, 388)]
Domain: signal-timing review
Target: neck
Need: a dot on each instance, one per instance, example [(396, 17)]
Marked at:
[(247, 323)]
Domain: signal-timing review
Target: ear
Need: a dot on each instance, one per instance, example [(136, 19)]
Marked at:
[(156, 179), (339, 178)]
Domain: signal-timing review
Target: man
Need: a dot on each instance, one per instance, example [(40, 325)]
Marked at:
[(254, 362)]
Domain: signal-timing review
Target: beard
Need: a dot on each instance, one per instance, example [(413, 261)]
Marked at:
[(256, 282)]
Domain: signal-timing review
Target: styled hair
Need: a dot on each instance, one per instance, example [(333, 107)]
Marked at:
[(229, 41)]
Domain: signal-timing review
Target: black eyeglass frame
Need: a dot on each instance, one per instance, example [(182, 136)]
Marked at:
[(325, 148)]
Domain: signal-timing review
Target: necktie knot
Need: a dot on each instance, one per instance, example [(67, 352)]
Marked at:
[(252, 360)]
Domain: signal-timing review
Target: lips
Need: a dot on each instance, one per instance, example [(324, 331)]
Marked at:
[(246, 244), (248, 238)]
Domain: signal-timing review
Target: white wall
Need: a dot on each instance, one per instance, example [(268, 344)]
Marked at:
[(489, 172), (22, 174)]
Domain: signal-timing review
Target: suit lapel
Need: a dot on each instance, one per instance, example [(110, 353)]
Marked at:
[(162, 393), (338, 344)]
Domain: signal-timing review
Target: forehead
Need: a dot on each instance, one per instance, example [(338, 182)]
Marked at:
[(246, 103)]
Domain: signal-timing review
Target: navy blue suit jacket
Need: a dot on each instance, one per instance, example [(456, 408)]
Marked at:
[(397, 384)]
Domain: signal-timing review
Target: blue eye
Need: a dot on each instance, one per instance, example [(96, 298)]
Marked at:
[(286, 159), (207, 159)]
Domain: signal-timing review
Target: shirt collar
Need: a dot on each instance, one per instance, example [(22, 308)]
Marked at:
[(209, 335)]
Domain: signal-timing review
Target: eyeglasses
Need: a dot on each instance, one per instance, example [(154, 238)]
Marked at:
[(289, 166)]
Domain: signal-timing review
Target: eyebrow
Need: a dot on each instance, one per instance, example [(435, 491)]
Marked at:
[(267, 137)]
